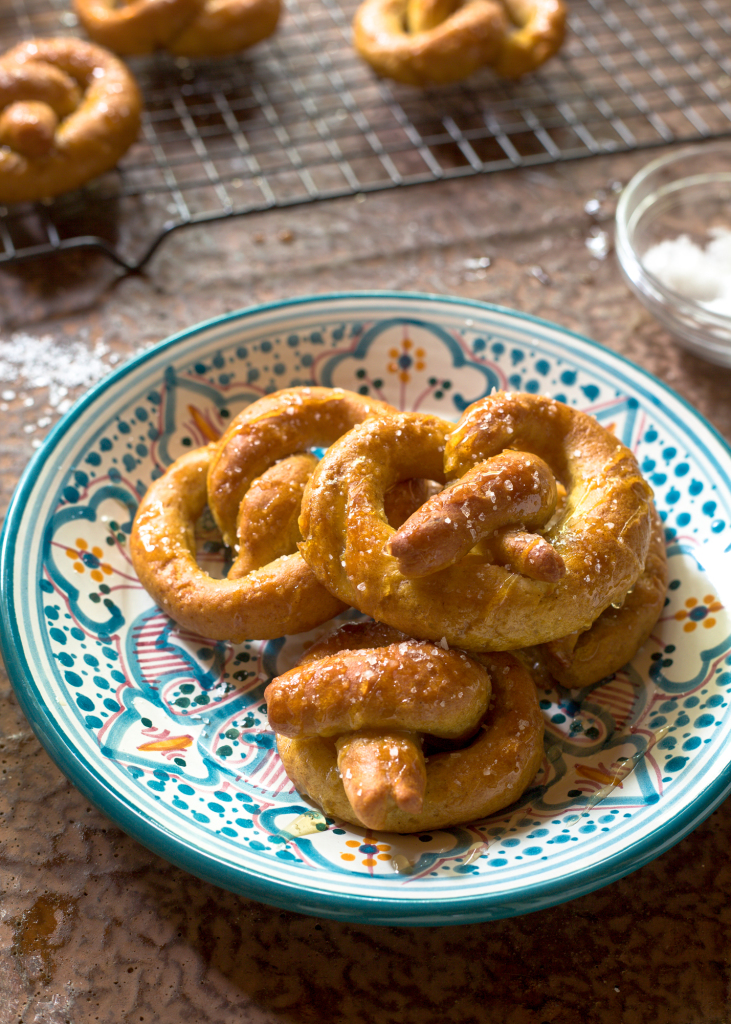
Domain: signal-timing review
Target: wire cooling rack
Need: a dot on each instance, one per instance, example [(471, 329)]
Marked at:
[(301, 119)]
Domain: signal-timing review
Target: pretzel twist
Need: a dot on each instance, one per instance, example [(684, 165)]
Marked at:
[(252, 479), (68, 111), (353, 718), (602, 534), (484, 504), (423, 42), (187, 28)]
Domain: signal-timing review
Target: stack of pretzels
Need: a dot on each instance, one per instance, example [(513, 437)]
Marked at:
[(523, 541)]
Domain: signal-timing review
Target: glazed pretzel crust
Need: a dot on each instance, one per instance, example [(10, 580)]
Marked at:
[(187, 28), (68, 111), (424, 42), (602, 534), (376, 775)]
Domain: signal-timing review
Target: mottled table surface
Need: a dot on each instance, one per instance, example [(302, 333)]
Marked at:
[(93, 927)]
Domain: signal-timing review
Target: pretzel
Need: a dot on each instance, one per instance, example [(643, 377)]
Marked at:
[(602, 535), (68, 111), (187, 28), (581, 659), (355, 718), (424, 42), (281, 597), (252, 480)]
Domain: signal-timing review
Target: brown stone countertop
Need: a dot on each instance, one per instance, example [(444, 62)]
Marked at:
[(93, 927)]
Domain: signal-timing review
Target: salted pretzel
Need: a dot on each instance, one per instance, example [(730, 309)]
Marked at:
[(423, 42), (68, 111), (281, 597), (187, 28), (618, 633), (602, 534), (252, 480), (401, 735)]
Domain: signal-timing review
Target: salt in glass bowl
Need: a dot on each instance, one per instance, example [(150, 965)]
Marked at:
[(685, 194)]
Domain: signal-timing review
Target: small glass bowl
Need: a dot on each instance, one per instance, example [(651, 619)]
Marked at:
[(687, 192)]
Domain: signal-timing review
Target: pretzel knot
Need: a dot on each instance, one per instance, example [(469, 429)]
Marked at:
[(423, 42), (187, 28), (68, 111), (599, 538), (252, 480), (363, 722)]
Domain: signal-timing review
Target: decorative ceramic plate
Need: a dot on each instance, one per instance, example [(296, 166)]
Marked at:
[(167, 732)]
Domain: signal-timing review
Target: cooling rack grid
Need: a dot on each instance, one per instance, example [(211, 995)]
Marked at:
[(301, 119)]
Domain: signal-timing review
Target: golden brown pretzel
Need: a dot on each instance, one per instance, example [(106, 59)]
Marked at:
[(352, 718), (423, 42), (273, 428), (68, 111), (618, 633), (602, 534), (282, 597), (188, 28)]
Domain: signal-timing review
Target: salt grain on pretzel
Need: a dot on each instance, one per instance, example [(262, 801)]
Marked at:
[(424, 42), (68, 111), (187, 28), (353, 719)]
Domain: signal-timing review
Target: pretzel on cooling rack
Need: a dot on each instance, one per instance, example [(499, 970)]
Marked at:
[(252, 480), (68, 111), (601, 534), (187, 28), (423, 42), (356, 718)]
